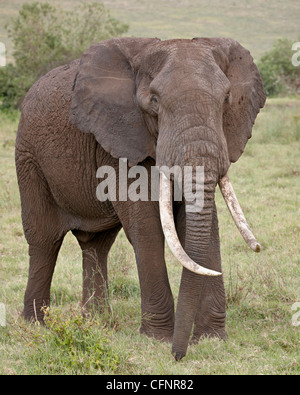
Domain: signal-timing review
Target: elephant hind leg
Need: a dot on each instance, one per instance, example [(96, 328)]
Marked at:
[(44, 228), (41, 268), (95, 248)]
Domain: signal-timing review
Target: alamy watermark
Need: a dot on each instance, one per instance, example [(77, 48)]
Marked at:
[(2, 314), (296, 56), (2, 55), (296, 316), (188, 184)]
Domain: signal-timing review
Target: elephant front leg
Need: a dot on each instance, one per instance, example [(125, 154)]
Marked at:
[(157, 304), (142, 226), (211, 314)]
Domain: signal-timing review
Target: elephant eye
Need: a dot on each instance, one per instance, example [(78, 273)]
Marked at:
[(154, 99), (154, 105), (227, 98)]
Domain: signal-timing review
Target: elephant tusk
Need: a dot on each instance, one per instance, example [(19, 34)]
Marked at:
[(237, 213), (168, 226)]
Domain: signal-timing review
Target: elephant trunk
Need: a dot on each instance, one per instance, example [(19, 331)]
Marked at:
[(210, 153), (198, 226), (168, 225), (197, 242)]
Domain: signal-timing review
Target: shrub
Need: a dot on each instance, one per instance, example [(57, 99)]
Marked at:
[(279, 75), (45, 36), (69, 344)]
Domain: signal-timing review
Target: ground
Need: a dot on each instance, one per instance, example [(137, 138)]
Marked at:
[(261, 288)]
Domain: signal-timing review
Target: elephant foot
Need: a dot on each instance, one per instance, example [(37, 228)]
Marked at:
[(96, 307), (159, 332), (35, 311), (219, 334), (158, 325), (162, 335)]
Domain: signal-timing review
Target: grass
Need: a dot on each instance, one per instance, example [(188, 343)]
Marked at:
[(261, 288), (256, 24)]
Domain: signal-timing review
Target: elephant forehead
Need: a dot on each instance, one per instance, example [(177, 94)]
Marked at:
[(175, 50), (184, 60)]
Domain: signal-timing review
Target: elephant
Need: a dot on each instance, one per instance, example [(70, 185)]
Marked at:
[(156, 103)]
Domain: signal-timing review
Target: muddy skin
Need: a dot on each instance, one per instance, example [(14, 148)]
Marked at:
[(176, 102)]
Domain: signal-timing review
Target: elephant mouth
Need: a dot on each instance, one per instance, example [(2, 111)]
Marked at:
[(169, 230)]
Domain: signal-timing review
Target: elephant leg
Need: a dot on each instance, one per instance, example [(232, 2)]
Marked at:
[(211, 314), (44, 229), (141, 223), (95, 248), (41, 268), (157, 305)]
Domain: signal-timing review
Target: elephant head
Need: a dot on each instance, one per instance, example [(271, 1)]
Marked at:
[(181, 102)]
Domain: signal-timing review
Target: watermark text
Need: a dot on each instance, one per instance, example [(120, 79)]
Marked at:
[(2, 314), (138, 184), (296, 316), (2, 55), (296, 56)]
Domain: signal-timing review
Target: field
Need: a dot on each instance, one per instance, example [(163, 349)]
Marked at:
[(261, 288), (255, 23)]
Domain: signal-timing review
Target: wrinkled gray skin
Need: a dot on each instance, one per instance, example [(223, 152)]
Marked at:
[(177, 102)]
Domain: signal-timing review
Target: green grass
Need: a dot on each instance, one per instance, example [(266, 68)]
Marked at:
[(261, 288), (257, 24)]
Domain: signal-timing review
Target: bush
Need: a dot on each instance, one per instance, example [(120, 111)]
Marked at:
[(277, 71), (45, 36), (69, 344), (13, 87)]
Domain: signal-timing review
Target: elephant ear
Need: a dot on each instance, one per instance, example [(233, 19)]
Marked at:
[(247, 95), (103, 100)]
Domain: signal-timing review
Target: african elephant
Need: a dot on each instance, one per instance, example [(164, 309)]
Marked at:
[(164, 103)]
